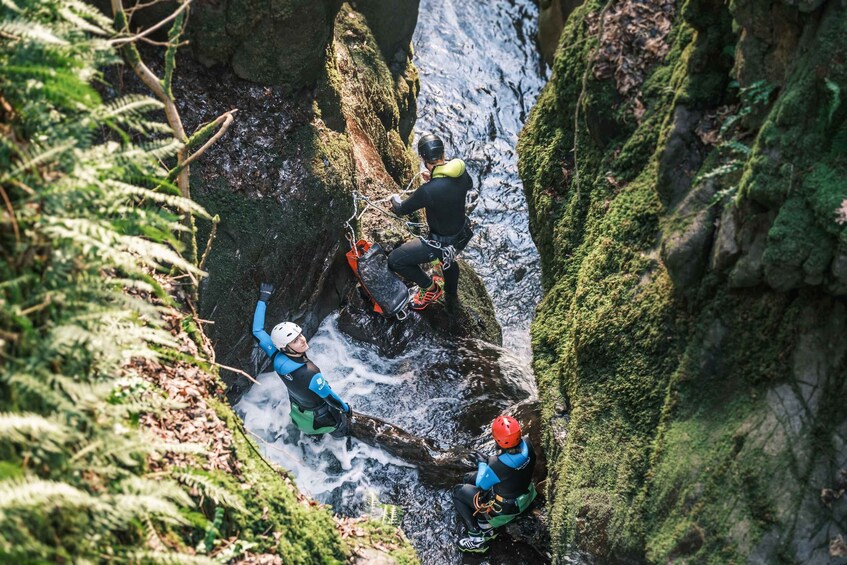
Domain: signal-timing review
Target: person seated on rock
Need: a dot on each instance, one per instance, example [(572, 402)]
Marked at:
[(443, 195), (500, 489), (315, 407)]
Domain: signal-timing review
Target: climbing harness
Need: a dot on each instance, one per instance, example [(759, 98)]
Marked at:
[(486, 508), (492, 510), (370, 262)]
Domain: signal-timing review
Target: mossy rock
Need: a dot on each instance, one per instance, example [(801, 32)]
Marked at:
[(281, 42), (684, 354)]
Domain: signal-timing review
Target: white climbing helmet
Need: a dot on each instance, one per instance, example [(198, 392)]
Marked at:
[(284, 333)]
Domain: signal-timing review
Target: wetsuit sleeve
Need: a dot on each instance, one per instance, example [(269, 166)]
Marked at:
[(320, 387), (416, 201), (485, 476), (259, 329)]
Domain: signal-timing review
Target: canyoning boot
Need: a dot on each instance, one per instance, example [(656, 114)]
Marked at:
[(426, 297), (476, 542)]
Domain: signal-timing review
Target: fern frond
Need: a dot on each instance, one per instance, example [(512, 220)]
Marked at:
[(90, 13), (21, 427), (81, 22), (161, 558), (184, 447), (166, 489), (46, 495), (35, 158), (208, 488), (38, 388), (177, 202), (130, 506), (133, 104), (25, 29)]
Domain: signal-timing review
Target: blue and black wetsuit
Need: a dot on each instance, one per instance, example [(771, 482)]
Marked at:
[(502, 487), (443, 197), (315, 407)]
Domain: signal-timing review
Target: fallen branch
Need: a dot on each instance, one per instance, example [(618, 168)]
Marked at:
[(215, 221), (234, 370), (224, 120)]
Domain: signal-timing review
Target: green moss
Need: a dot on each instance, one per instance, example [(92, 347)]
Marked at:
[(665, 392), (308, 532), (388, 536)]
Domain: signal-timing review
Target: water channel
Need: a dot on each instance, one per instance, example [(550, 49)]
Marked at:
[(480, 75)]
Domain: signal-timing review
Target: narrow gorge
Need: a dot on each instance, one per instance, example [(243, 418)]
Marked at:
[(656, 287)]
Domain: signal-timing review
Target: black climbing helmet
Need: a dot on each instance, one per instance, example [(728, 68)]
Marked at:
[(430, 148)]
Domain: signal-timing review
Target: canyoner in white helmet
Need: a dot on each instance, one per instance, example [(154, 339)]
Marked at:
[(315, 407), (285, 333)]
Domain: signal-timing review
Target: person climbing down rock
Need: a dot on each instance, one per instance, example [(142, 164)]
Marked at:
[(500, 490), (443, 195), (315, 407)]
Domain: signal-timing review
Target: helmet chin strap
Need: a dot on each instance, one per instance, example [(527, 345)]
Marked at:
[(289, 351)]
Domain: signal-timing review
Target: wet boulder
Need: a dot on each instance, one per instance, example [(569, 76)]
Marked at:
[(281, 43), (393, 23)]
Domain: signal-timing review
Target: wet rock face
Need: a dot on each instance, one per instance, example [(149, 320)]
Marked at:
[(393, 23), (688, 291), (281, 42), (279, 181)]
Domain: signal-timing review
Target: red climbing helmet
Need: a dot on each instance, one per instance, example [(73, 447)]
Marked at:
[(506, 431)]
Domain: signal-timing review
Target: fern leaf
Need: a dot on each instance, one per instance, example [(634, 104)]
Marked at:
[(25, 29), (24, 427), (36, 159), (162, 558), (210, 489), (46, 495)]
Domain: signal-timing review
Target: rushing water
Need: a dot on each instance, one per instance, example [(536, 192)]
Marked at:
[(479, 77)]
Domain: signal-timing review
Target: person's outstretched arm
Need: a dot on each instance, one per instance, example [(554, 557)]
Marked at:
[(321, 387), (415, 202), (259, 320)]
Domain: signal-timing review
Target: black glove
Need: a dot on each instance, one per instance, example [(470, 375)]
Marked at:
[(265, 291), (480, 457), (395, 203), (349, 411)]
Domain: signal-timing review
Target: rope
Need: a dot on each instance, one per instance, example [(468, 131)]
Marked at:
[(486, 508), (377, 205), (448, 252)]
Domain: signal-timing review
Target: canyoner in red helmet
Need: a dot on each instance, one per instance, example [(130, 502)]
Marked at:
[(500, 490)]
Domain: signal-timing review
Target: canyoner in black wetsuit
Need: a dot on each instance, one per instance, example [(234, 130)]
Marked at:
[(443, 197), (315, 407), (500, 489)]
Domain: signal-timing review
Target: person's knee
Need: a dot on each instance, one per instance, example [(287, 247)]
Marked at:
[(456, 491), (394, 260)]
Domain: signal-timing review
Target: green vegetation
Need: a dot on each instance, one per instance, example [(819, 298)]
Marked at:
[(90, 237), (87, 215), (680, 386)]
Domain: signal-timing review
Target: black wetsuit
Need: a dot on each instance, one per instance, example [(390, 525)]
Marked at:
[(315, 407), (443, 197), (503, 479), (328, 411)]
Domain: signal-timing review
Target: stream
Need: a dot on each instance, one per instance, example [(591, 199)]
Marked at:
[(476, 94)]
